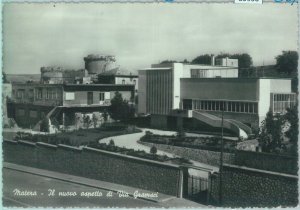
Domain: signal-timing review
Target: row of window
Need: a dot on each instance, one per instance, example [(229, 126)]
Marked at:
[(281, 106), (284, 97), (123, 81), (50, 93), (227, 106), (199, 73), (282, 101)]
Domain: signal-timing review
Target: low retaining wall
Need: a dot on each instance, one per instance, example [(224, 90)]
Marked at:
[(97, 164), (203, 156), (248, 187), (266, 161)]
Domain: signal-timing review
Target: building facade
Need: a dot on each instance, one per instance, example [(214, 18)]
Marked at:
[(204, 92), (160, 86), (245, 99), (32, 102)]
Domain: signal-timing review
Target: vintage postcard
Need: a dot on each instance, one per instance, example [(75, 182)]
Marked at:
[(160, 104)]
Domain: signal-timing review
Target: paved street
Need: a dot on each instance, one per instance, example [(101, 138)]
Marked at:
[(16, 180)]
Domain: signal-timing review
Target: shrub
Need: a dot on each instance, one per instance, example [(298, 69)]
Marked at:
[(153, 150), (148, 133), (111, 142)]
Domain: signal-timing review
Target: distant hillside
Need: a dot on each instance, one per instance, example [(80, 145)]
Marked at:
[(23, 77)]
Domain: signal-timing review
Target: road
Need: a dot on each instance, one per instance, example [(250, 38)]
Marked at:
[(15, 180)]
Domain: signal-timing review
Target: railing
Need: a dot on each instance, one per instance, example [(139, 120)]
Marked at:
[(246, 128), (216, 121), (198, 189)]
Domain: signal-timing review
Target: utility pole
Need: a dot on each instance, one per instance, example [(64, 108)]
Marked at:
[(221, 160)]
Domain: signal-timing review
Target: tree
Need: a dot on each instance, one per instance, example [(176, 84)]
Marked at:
[(111, 143), (185, 61), (287, 62), (174, 61), (153, 150), (95, 120), (87, 121), (168, 61), (292, 118), (271, 136), (202, 59), (120, 109), (105, 115), (45, 125)]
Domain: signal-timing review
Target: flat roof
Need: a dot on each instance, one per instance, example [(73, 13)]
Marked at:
[(98, 87), (158, 68), (118, 75), (237, 78)]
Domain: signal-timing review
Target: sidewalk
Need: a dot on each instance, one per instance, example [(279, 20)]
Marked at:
[(163, 199)]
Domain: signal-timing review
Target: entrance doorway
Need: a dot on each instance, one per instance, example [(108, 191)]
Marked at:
[(90, 98)]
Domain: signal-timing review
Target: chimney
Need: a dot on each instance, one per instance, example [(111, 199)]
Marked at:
[(212, 60)]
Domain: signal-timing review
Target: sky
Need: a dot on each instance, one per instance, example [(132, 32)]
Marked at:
[(140, 34)]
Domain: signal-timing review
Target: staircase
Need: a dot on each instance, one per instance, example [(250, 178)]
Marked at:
[(50, 115), (237, 127)]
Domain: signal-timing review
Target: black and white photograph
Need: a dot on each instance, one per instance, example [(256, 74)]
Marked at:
[(159, 104)]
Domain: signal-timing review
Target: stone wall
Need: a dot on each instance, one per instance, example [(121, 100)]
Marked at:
[(203, 156), (267, 161), (97, 164), (248, 187)]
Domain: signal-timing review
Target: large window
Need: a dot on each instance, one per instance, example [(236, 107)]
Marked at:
[(39, 93), (101, 96), (199, 73), (70, 96), (280, 101), (53, 94), (218, 105), (20, 93), (48, 93)]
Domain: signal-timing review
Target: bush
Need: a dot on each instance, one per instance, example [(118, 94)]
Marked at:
[(148, 133), (111, 142), (153, 150), (206, 143)]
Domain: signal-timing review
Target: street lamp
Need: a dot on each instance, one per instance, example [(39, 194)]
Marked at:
[(221, 158)]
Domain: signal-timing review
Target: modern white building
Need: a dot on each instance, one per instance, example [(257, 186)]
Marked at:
[(159, 90), (203, 92)]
